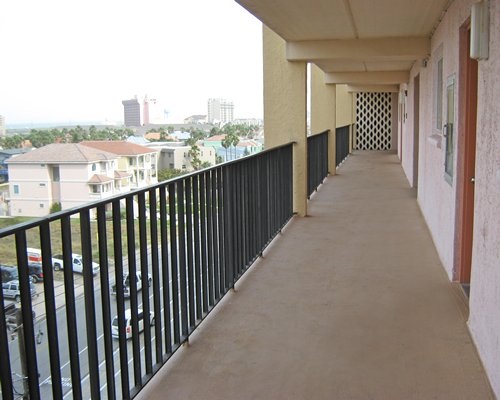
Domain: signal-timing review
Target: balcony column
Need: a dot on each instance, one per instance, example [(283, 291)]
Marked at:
[(323, 111), (285, 107)]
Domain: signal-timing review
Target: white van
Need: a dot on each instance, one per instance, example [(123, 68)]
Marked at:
[(128, 323)]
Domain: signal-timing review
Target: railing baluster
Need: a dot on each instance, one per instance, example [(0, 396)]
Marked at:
[(120, 298), (204, 259), (5, 366), (210, 243), (197, 267), (69, 292), (90, 310), (172, 199), (189, 253), (219, 232), (132, 274), (217, 238), (153, 220), (105, 301), (143, 247), (182, 258), (165, 270), (50, 310)]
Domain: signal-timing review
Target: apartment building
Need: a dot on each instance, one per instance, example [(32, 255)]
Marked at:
[(176, 155), (68, 174), (139, 161)]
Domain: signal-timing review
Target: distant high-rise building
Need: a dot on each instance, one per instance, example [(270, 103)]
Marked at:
[(220, 110), (131, 112), (2, 125), (145, 111)]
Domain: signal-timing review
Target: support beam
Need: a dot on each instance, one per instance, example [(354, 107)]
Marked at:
[(373, 88), (364, 78), (386, 49), (285, 108), (323, 111)]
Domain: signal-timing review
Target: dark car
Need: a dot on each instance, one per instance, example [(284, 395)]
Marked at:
[(9, 273), (36, 272)]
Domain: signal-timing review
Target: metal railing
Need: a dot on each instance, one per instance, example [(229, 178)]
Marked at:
[(341, 144), (317, 160), (188, 240)]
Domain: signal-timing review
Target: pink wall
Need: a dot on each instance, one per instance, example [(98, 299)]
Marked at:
[(484, 318), (437, 197)]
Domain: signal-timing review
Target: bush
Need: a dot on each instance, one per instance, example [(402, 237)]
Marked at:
[(55, 207)]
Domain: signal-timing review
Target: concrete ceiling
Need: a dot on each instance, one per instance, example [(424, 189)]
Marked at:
[(357, 39)]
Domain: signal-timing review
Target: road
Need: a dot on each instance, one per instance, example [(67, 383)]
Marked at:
[(43, 352)]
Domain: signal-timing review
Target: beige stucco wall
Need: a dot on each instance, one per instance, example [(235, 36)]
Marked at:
[(344, 105), (437, 198), (323, 113), (285, 102)]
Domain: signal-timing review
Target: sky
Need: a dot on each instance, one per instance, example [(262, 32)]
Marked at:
[(69, 61)]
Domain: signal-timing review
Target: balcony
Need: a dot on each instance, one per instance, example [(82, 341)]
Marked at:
[(350, 302)]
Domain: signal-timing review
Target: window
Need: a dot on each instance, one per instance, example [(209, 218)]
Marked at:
[(42, 205), (94, 167), (16, 189), (171, 165), (42, 184), (439, 94), (95, 188), (450, 140), (55, 174)]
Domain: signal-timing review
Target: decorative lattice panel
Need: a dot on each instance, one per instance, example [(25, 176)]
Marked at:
[(373, 121)]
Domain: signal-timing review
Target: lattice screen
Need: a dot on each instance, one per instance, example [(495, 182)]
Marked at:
[(373, 121)]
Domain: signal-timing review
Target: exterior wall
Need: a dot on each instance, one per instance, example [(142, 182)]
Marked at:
[(323, 113), (484, 303), (178, 157), (34, 190), (37, 191), (285, 108), (344, 107), (437, 197), (140, 164)]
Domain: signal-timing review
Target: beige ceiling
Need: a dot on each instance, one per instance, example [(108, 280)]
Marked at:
[(353, 35)]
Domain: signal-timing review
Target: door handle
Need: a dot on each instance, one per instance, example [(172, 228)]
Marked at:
[(473, 179)]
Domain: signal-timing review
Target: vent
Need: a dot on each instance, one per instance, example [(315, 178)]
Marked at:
[(373, 121)]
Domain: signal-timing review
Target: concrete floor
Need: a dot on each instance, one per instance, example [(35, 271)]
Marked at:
[(350, 302)]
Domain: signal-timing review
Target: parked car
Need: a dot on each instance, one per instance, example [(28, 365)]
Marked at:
[(35, 271), (12, 290), (126, 283), (128, 323), (10, 312), (77, 264), (9, 273)]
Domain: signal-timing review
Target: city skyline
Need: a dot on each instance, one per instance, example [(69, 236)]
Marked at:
[(78, 66)]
